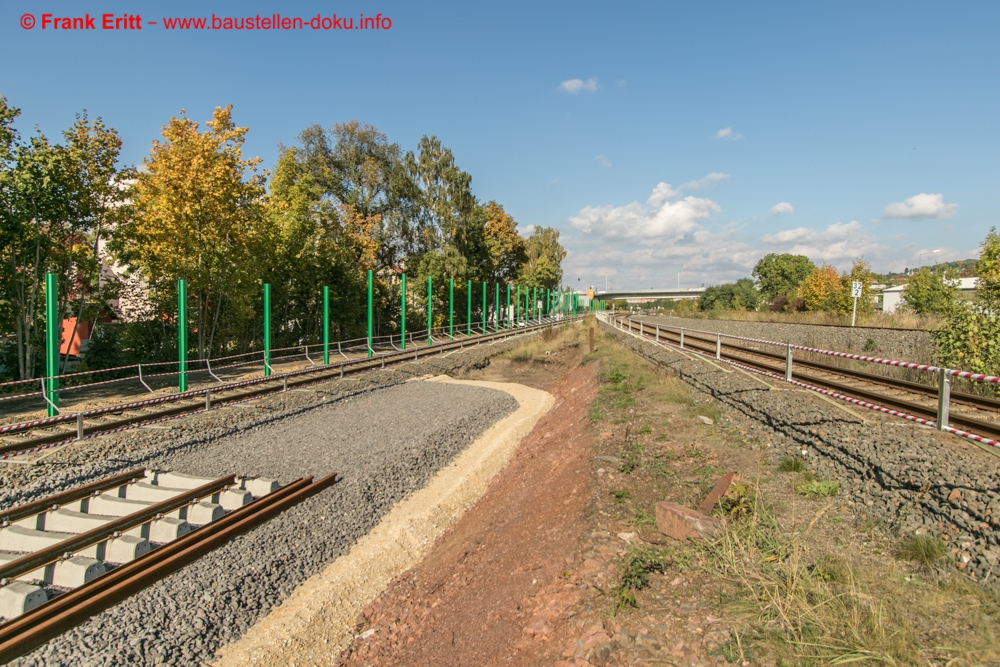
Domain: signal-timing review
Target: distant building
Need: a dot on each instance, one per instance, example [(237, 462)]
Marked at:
[(892, 297)]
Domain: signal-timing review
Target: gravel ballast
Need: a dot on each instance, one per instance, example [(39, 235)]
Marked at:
[(912, 478), (385, 436), (905, 344)]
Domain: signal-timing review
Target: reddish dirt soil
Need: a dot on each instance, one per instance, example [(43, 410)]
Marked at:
[(495, 588)]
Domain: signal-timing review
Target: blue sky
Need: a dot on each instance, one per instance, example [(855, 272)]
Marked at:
[(831, 129)]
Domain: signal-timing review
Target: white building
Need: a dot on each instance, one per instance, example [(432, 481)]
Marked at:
[(892, 297)]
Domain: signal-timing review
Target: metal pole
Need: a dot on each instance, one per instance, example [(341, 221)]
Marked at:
[(657, 333), (944, 396), (484, 306), (682, 335), (854, 313), (369, 313), (402, 317), (506, 313), (326, 325), (451, 309), (788, 362), (267, 332), (496, 305), (591, 340), (430, 298), (52, 339), (718, 346), (468, 309), (517, 306), (182, 336)]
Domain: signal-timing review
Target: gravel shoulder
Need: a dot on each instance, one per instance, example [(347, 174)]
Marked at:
[(384, 435), (318, 619)]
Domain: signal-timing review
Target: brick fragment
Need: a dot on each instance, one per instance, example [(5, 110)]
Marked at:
[(680, 522)]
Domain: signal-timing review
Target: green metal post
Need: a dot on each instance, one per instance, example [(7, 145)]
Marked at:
[(52, 338), (484, 307), (326, 325), (267, 330), (517, 306), (430, 298), (506, 312), (402, 317), (451, 309), (468, 309), (496, 304), (182, 336), (527, 296), (369, 313)]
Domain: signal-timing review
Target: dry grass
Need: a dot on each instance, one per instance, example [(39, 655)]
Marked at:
[(547, 342), (800, 609)]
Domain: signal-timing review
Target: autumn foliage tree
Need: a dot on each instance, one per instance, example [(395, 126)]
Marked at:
[(197, 213)]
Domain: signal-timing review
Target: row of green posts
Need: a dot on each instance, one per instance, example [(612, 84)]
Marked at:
[(553, 302)]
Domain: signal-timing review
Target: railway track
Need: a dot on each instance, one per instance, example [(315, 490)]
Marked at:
[(67, 557), (40, 434), (978, 415)]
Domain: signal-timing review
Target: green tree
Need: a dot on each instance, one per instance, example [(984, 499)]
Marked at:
[(780, 275), (197, 212), (741, 295), (506, 250), (544, 256), (929, 292)]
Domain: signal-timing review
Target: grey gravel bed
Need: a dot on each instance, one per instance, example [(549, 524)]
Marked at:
[(385, 443), (911, 477), (384, 435)]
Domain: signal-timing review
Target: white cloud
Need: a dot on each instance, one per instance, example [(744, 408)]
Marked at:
[(603, 160), (710, 179), (920, 206), (838, 244), (659, 218), (782, 208), (728, 134), (578, 85)]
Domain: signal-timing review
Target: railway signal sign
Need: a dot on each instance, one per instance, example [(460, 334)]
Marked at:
[(855, 293)]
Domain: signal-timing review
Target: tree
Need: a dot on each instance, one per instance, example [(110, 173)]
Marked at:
[(821, 289), (197, 212), (780, 275), (741, 295), (929, 292), (544, 253), (988, 272), (506, 250), (861, 272)]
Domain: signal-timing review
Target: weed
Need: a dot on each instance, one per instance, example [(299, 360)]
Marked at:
[(792, 464), (631, 457), (660, 468), (596, 414), (621, 496), (707, 470), (548, 333), (614, 375), (646, 429), (923, 549), (692, 451), (739, 503), (870, 346), (819, 488), (643, 518), (634, 571), (710, 410), (663, 437)]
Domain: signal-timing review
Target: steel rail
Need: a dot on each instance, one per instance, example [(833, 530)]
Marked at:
[(975, 426), (983, 402), (111, 529), (51, 619), (66, 497), (321, 373)]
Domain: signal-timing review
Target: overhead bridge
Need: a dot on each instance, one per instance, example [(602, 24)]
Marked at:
[(650, 294)]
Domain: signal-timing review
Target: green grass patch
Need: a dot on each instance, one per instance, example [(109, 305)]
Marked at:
[(923, 549), (643, 518), (792, 464), (621, 496), (818, 488)]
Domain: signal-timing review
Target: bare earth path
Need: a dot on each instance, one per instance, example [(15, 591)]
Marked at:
[(471, 599)]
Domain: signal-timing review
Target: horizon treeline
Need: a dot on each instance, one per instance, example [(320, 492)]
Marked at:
[(339, 202)]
